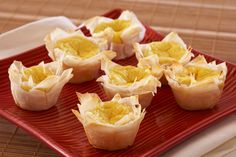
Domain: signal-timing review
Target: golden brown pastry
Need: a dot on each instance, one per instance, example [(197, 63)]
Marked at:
[(121, 33), (109, 125), (38, 87), (76, 51), (197, 85), (171, 49), (130, 80)]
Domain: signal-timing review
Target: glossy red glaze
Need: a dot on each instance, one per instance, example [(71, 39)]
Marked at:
[(164, 125)]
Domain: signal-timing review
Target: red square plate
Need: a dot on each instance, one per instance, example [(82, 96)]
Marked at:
[(164, 125)]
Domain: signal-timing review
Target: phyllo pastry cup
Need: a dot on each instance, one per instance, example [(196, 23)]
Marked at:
[(38, 87), (121, 32), (197, 85), (76, 51), (129, 80), (170, 50), (109, 125)]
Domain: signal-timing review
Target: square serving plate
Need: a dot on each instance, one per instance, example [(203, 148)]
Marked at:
[(164, 125)]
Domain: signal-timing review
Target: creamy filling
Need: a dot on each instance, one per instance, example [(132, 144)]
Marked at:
[(78, 46), (127, 75), (192, 75), (165, 50), (37, 73), (110, 112), (118, 26)]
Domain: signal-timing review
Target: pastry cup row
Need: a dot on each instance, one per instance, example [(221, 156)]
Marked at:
[(161, 68)]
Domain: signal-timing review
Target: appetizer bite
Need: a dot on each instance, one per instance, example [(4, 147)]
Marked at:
[(129, 80), (171, 49), (38, 87), (197, 85), (109, 125), (76, 51), (121, 32)]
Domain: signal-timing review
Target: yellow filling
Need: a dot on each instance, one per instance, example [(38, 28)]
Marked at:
[(78, 46), (111, 112), (118, 27), (38, 74), (166, 50), (126, 75), (195, 74)]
